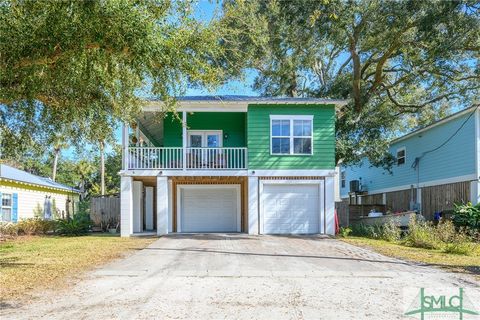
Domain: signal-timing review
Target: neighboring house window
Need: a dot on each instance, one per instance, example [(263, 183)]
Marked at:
[(291, 135), (6, 207), (401, 156), (343, 178)]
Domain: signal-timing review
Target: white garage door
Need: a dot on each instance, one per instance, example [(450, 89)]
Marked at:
[(210, 208), (291, 208)]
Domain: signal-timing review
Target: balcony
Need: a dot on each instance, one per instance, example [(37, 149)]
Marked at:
[(178, 158)]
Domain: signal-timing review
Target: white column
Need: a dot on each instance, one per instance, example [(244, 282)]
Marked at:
[(162, 205), (125, 139), (252, 205), (475, 192), (419, 199), (184, 140), (137, 201), (170, 207), (384, 198), (149, 208), (330, 205), (126, 206)]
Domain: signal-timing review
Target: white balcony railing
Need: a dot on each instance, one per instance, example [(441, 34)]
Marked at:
[(172, 158)]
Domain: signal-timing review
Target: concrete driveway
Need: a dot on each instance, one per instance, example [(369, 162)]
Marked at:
[(242, 277)]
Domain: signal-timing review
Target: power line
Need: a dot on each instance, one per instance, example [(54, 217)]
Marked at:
[(417, 159)]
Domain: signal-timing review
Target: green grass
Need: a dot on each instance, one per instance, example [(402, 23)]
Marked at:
[(34, 263), (453, 262)]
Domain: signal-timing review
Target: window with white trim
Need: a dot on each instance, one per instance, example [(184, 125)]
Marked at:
[(343, 178), (6, 212), (291, 135), (401, 156)]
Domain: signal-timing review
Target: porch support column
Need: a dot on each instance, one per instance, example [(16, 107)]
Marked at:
[(126, 206), (419, 200), (475, 192), (330, 205), (184, 140), (125, 139), (252, 205), (162, 205)]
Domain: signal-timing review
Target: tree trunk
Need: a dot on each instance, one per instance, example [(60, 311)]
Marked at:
[(56, 152), (82, 189), (102, 167)]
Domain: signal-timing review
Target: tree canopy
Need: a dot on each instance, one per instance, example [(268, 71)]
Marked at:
[(77, 67), (398, 62)]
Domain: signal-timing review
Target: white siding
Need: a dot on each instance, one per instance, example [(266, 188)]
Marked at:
[(29, 199)]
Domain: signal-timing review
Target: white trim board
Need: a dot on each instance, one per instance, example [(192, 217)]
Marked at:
[(233, 106), (231, 173), (477, 143), (292, 173), (181, 187), (469, 177)]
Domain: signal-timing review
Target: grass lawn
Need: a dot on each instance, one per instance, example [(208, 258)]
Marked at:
[(33, 263), (452, 262)]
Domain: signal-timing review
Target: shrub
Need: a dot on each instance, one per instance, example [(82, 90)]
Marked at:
[(390, 231), (8, 229), (445, 231), (467, 215), (368, 231), (76, 226), (35, 226), (38, 211), (345, 232), (421, 235)]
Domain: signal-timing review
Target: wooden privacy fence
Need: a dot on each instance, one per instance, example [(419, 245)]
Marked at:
[(105, 210), (442, 197)]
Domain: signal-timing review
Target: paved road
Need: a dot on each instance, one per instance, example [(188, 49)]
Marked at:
[(242, 277)]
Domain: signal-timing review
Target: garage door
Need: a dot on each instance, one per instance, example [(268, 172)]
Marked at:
[(293, 208), (208, 208)]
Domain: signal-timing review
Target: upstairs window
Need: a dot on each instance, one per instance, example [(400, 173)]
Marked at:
[(401, 156), (291, 135), (343, 178)]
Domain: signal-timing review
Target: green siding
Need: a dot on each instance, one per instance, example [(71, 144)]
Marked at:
[(258, 128), (231, 123)]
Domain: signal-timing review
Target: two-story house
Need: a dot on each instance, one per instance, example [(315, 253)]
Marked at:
[(436, 166), (230, 164)]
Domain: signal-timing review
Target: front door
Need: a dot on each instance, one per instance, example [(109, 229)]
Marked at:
[(202, 153), (204, 139)]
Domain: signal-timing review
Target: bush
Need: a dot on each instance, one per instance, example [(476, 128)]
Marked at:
[(467, 215), (345, 232), (460, 247), (388, 232), (421, 235), (391, 231), (76, 226), (35, 226), (445, 231), (8, 229)]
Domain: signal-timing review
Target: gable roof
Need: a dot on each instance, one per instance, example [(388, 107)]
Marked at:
[(14, 174), (439, 122)]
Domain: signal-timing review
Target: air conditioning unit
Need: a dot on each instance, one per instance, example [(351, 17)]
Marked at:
[(355, 186)]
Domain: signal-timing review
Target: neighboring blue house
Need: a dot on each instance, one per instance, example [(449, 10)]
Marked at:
[(436, 166)]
